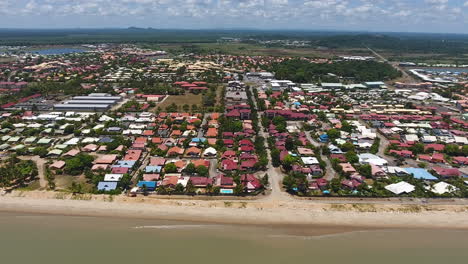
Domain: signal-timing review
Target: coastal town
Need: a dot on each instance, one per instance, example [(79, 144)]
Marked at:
[(125, 120)]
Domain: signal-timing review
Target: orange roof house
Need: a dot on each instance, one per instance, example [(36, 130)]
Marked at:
[(212, 132), (193, 151), (175, 151)]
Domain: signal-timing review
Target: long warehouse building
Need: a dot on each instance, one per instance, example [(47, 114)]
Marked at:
[(82, 107), (100, 98)]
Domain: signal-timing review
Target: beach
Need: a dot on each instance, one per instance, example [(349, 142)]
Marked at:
[(248, 212)]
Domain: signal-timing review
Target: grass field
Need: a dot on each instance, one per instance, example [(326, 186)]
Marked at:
[(181, 100), (243, 49)]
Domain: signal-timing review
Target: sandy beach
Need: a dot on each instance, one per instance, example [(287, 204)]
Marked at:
[(257, 212)]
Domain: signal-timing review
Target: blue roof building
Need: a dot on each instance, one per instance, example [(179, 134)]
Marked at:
[(107, 186), (153, 169), (150, 185), (324, 138), (419, 173), (198, 140), (125, 163)]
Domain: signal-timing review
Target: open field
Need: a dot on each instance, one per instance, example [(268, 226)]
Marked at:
[(181, 100), (258, 50)]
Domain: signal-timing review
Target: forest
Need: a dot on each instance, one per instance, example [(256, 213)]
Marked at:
[(302, 71)]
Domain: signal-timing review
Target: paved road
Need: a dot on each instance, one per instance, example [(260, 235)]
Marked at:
[(405, 74), (330, 173), (384, 143), (275, 176), (204, 122)]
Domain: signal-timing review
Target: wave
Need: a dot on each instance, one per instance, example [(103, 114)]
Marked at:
[(318, 236), (173, 227)]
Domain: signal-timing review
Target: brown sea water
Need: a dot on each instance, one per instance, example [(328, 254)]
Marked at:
[(33, 238)]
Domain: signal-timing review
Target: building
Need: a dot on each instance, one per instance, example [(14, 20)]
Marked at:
[(97, 102)]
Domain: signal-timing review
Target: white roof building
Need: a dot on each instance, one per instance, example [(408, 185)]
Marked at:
[(113, 177), (441, 188), (368, 158), (412, 137), (399, 188), (310, 160), (210, 152)]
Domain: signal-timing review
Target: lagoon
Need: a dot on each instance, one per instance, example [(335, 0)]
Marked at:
[(59, 51)]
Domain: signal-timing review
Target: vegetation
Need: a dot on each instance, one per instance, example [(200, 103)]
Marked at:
[(303, 71), (16, 172)]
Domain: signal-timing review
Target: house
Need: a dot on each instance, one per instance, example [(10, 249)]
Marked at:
[(193, 152), (170, 181), (210, 152), (106, 159), (400, 188), (113, 177), (133, 154), (155, 161), (402, 153), (460, 160), (212, 132), (228, 165), (201, 162), (446, 172), (58, 165), (368, 158), (305, 151), (107, 186), (224, 182), (201, 182), (438, 158), (348, 168), (250, 182), (434, 147), (153, 169), (350, 184), (247, 165), (310, 161), (175, 151), (340, 157), (151, 177), (119, 170), (377, 172), (442, 188), (149, 185), (420, 173), (229, 154)]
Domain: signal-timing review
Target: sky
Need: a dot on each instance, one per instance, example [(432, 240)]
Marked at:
[(439, 16)]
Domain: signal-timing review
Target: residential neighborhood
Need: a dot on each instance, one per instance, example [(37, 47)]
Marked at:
[(223, 126)]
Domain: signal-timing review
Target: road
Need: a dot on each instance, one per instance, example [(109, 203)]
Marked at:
[(330, 173), (142, 167), (275, 176), (204, 122), (406, 76), (40, 162), (384, 143)]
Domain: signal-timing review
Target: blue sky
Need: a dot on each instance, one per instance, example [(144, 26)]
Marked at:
[(372, 15)]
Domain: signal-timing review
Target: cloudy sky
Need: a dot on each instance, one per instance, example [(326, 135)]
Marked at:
[(371, 15)]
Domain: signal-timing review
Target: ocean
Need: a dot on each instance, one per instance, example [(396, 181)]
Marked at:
[(36, 238)]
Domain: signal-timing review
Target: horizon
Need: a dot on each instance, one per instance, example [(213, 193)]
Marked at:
[(234, 29), (405, 16)]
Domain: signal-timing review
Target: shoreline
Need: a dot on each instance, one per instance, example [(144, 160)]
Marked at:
[(254, 213)]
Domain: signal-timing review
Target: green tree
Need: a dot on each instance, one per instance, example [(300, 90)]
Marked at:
[(170, 168), (333, 133), (202, 171)]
